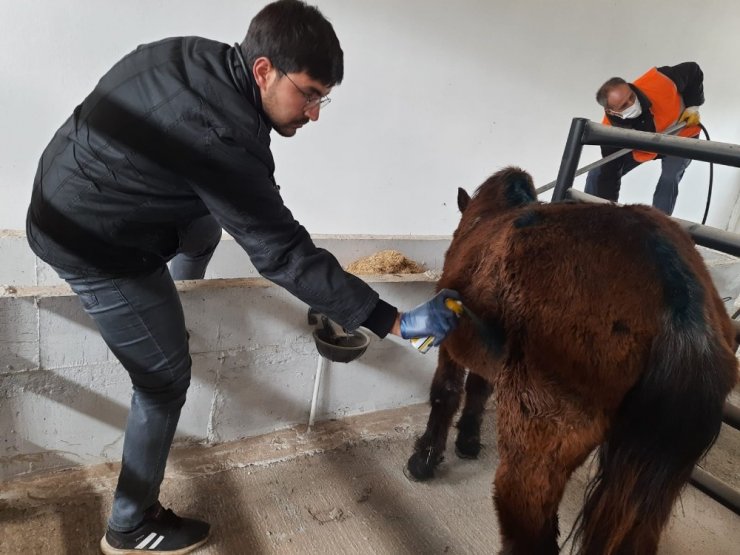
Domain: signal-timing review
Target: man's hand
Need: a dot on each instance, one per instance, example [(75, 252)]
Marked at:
[(690, 116), (431, 318)]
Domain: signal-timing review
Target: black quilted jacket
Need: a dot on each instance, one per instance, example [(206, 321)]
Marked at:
[(173, 131)]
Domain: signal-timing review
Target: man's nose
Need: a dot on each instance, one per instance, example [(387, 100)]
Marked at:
[(313, 112)]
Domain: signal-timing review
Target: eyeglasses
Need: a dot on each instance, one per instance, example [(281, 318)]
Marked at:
[(312, 100)]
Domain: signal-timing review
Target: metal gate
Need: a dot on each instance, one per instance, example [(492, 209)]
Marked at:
[(585, 132)]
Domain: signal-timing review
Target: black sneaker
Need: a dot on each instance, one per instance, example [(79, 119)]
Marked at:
[(162, 531)]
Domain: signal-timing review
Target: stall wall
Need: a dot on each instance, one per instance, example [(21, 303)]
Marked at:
[(437, 94)]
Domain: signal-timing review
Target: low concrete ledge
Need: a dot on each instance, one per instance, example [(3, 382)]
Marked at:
[(62, 289), (64, 397), (230, 260)]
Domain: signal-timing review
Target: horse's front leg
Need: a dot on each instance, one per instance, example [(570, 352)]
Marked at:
[(477, 393), (447, 387)]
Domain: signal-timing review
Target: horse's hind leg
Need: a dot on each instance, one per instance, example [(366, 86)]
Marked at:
[(525, 494), (537, 456), (477, 392), (444, 397)]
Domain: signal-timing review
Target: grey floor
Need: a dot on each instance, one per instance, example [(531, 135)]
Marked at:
[(338, 489)]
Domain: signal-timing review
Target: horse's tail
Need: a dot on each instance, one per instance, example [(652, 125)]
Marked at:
[(664, 425)]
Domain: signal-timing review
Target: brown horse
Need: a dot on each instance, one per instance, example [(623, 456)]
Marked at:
[(602, 328)]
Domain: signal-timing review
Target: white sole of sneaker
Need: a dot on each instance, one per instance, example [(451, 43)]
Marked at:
[(108, 549)]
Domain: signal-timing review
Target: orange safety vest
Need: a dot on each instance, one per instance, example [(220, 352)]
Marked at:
[(667, 106)]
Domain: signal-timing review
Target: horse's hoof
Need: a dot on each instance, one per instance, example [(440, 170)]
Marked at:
[(409, 476), (467, 450), (417, 468)]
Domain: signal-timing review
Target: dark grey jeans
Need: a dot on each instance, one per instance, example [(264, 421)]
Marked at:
[(666, 191), (142, 322)]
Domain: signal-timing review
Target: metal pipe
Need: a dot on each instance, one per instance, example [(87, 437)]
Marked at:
[(586, 168), (731, 415), (605, 160), (711, 237), (314, 398), (580, 196), (569, 161), (708, 151), (716, 489), (704, 235)]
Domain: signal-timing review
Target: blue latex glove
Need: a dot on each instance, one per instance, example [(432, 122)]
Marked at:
[(432, 318)]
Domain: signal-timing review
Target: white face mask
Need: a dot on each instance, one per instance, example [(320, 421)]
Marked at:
[(631, 112)]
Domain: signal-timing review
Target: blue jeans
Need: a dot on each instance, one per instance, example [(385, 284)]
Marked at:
[(666, 191), (142, 322), (198, 240)]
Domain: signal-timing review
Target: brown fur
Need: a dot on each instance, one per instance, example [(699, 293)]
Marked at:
[(586, 312)]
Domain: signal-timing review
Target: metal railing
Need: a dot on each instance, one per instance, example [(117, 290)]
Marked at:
[(585, 132)]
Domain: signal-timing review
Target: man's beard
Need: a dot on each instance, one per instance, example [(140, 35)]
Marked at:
[(290, 129)]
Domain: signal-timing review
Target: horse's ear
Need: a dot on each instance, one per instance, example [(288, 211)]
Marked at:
[(463, 198), (520, 190)]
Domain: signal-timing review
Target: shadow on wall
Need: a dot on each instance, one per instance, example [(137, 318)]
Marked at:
[(50, 421), (254, 362)]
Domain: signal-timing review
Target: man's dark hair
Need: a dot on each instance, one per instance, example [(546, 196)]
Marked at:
[(606, 88), (295, 37)]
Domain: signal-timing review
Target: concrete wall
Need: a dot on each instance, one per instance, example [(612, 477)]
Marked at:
[(437, 94), (64, 398)]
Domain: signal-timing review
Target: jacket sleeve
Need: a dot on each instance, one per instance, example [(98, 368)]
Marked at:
[(238, 189), (689, 80)]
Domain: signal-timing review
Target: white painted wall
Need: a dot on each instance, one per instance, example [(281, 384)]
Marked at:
[(64, 397), (437, 94)]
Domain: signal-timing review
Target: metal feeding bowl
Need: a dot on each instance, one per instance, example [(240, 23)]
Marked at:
[(341, 348), (333, 342)]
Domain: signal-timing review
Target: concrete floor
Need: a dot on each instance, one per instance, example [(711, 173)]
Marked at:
[(338, 489)]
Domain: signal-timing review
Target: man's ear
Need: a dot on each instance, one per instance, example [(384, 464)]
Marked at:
[(264, 72)]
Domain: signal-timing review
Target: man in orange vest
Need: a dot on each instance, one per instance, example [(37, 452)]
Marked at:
[(655, 101)]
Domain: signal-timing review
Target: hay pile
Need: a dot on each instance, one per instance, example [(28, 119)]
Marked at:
[(385, 262)]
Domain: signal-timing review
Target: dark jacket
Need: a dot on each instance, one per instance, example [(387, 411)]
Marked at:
[(689, 80), (173, 131)]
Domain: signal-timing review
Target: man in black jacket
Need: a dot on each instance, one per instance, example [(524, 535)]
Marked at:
[(655, 102), (172, 145)]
